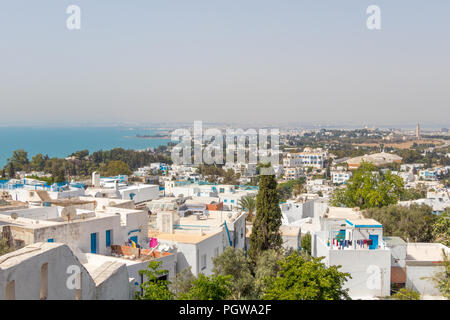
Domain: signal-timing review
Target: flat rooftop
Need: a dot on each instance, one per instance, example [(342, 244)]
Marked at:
[(13, 258), (289, 230), (343, 213), (184, 237), (215, 218), (6, 205), (284, 230), (425, 251), (360, 222)]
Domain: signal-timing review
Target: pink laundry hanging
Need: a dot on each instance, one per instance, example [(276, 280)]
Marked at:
[(153, 242)]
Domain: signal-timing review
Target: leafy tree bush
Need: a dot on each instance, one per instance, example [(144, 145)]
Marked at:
[(215, 287), (441, 228), (415, 193), (265, 232), (306, 243), (293, 187), (182, 283), (117, 167), (367, 188), (4, 248), (266, 268), (234, 263), (303, 279), (405, 294), (154, 288), (414, 222)]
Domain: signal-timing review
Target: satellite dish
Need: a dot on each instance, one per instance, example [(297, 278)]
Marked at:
[(230, 215), (14, 215), (112, 203), (68, 213)]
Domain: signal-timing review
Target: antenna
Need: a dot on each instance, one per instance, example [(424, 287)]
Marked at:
[(68, 213)]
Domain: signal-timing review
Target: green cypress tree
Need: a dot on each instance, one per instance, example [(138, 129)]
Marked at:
[(266, 225)]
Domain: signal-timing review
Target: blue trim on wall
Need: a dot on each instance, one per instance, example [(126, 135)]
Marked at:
[(364, 225), (136, 230)]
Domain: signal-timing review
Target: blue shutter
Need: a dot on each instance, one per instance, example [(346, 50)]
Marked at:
[(108, 238), (93, 243)]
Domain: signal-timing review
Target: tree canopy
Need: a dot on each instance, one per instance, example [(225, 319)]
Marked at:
[(117, 167), (306, 279), (368, 188), (154, 288), (414, 222), (214, 287), (234, 263), (441, 228), (266, 225)]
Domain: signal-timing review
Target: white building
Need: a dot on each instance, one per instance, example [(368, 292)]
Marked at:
[(293, 173), (53, 271), (438, 205), (86, 231), (228, 194), (244, 169), (25, 193), (423, 260), (139, 193), (308, 158), (340, 177), (356, 244), (199, 239), (41, 271), (428, 174), (295, 210)]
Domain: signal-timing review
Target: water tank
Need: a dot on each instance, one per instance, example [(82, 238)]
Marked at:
[(96, 179)]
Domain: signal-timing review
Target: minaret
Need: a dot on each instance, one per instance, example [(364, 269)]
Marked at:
[(418, 131)]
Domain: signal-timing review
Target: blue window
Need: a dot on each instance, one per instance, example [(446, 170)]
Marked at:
[(51, 240), (225, 200), (232, 201), (108, 238), (93, 242)]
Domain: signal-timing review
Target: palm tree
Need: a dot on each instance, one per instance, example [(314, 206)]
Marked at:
[(248, 204)]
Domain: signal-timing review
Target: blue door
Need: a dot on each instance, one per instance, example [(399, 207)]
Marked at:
[(93, 243), (374, 238)]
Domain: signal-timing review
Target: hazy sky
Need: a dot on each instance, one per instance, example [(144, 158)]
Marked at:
[(228, 60)]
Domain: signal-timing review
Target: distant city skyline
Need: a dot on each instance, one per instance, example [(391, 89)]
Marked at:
[(263, 61)]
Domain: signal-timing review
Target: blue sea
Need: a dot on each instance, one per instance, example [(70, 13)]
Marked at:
[(61, 142)]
